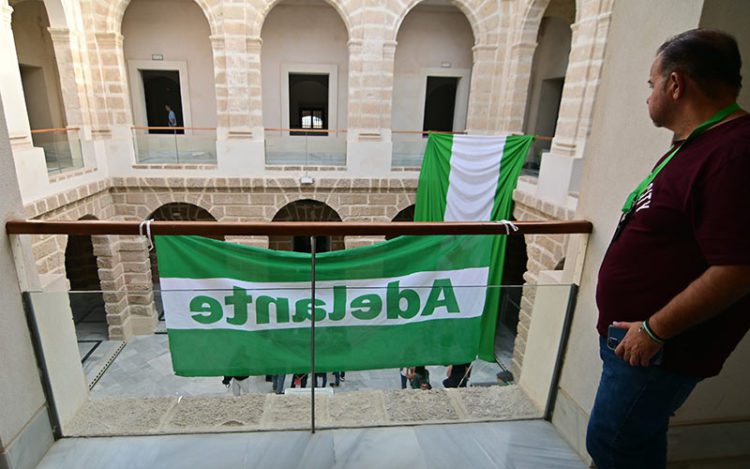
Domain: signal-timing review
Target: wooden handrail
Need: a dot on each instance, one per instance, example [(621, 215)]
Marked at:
[(103, 227), (141, 127), (57, 129), (306, 130)]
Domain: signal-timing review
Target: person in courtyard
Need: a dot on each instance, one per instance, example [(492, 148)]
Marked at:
[(458, 376), (419, 378), (277, 383), (675, 281), (238, 384)]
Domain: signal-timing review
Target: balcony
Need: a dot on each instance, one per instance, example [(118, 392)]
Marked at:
[(62, 148), (305, 147), (174, 145)]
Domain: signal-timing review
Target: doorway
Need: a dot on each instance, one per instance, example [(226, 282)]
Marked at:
[(161, 88), (440, 104), (308, 103)]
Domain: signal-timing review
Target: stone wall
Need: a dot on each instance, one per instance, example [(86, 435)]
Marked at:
[(545, 252)]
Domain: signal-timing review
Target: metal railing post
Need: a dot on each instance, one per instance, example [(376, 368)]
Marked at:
[(561, 349), (313, 378)]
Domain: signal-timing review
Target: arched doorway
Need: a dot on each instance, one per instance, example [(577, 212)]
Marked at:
[(304, 76), (306, 210), (404, 215), (431, 77), (176, 211), (86, 297), (170, 67)]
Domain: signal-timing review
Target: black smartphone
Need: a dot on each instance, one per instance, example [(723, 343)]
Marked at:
[(615, 336)]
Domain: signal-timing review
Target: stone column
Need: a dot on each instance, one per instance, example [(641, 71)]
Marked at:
[(112, 280), (582, 78), (72, 81), (514, 106), (116, 98), (480, 94), (136, 268), (11, 89)]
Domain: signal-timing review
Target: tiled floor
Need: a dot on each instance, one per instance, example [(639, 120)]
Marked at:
[(144, 369), (517, 445)]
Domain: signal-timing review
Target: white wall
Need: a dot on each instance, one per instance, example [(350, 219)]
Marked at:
[(428, 37), (24, 429), (732, 16), (179, 31), (303, 33), (34, 48)]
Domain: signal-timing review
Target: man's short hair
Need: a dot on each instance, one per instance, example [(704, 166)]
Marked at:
[(710, 57)]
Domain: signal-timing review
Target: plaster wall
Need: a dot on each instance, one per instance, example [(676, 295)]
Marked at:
[(179, 31), (303, 34), (429, 38), (21, 396), (34, 48), (732, 16)]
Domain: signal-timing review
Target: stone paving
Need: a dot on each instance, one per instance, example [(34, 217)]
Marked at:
[(144, 369)]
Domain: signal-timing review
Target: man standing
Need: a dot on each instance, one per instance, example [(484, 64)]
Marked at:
[(171, 117), (676, 277)]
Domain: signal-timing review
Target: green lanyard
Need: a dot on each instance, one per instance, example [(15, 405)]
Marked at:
[(715, 119)]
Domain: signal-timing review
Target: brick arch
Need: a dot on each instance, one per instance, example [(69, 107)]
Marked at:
[(176, 211), (116, 10), (262, 13), (154, 206), (405, 214), (305, 210), (476, 21)]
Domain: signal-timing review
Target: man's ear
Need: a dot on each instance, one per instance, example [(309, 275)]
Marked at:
[(676, 85)]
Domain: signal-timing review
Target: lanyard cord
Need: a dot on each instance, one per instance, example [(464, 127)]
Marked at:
[(713, 120)]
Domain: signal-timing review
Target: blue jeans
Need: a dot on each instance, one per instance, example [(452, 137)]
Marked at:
[(628, 424), (278, 383)]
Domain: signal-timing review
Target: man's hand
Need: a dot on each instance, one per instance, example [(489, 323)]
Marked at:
[(636, 347)]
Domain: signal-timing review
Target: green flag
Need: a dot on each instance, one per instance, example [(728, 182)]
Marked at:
[(472, 178), (237, 310)]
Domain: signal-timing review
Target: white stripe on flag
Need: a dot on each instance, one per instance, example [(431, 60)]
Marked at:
[(474, 174)]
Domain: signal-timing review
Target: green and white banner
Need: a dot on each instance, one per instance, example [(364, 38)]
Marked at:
[(472, 178), (238, 310), (415, 300)]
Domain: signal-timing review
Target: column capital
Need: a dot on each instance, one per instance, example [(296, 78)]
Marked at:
[(60, 34), (110, 38)]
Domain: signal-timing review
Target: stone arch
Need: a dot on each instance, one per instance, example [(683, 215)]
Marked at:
[(404, 215), (116, 11), (154, 206), (262, 14), (175, 211), (477, 26), (87, 299), (306, 210)]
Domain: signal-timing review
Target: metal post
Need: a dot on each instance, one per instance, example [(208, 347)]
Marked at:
[(561, 349), (176, 149), (41, 361), (313, 379)]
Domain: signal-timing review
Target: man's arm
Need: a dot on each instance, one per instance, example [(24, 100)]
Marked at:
[(717, 288)]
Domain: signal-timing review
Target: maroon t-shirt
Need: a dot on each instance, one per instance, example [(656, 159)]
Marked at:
[(695, 214)]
